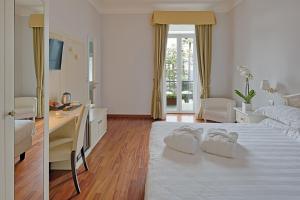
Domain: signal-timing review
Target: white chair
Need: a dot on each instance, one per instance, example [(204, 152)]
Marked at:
[(219, 110), (25, 108), (67, 142)]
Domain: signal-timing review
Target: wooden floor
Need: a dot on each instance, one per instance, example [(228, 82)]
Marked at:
[(29, 172), (118, 165)]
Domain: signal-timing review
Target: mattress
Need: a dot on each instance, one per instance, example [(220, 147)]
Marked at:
[(267, 167), (23, 130)]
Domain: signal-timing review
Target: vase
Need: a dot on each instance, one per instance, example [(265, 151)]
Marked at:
[(246, 107)]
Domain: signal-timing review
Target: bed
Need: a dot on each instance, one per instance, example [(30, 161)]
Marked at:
[(24, 129), (267, 167)]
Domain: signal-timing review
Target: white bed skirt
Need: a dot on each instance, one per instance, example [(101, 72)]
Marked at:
[(24, 129)]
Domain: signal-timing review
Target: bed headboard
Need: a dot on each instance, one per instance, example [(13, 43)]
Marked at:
[(292, 100)]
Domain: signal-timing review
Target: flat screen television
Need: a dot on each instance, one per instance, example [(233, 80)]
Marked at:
[(55, 54)]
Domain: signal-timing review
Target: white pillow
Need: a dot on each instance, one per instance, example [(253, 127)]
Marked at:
[(285, 114)]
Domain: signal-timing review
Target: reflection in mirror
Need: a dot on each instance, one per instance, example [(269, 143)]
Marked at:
[(91, 60), (29, 78)]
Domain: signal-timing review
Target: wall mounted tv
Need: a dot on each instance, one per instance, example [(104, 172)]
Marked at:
[(55, 54)]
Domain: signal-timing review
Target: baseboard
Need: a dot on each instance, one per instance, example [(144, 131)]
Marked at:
[(113, 116)]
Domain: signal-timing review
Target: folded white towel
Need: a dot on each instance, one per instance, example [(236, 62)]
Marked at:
[(219, 142), (184, 139)]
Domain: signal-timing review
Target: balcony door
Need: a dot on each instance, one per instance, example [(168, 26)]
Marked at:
[(180, 73)]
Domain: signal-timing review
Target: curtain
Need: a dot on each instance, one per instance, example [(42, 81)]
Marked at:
[(161, 38), (204, 53), (38, 46), (183, 17)]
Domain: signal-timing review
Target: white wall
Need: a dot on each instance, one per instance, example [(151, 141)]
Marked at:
[(25, 80), (127, 62), (78, 20), (266, 38), (73, 75), (221, 75)]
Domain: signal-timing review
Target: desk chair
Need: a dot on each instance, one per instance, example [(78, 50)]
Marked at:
[(67, 143)]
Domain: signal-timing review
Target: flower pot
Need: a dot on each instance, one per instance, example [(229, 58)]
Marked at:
[(171, 101), (246, 107)]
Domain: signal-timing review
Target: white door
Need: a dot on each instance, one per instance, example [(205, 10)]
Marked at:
[(180, 74), (6, 99)]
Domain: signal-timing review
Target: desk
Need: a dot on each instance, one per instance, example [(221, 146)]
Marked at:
[(97, 124), (56, 122)]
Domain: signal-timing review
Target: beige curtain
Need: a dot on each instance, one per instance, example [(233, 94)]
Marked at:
[(183, 17), (204, 53), (38, 46), (161, 38)]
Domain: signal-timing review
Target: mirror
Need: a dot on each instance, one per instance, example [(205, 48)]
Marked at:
[(29, 78), (70, 59)]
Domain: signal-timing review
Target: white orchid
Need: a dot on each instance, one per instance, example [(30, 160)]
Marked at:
[(245, 72)]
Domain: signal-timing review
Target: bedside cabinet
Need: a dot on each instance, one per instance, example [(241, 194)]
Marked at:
[(247, 117), (98, 125)]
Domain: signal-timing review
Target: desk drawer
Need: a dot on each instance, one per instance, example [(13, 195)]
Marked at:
[(94, 133), (98, 129), (103, 126), (98, 125), (241, 118)]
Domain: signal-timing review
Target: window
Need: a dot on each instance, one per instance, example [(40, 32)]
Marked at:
[(180, 77)]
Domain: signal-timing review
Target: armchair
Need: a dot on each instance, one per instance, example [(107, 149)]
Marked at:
[(219, 110), (25, 108)]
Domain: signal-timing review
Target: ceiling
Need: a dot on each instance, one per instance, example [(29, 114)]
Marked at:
[(28, 2), (147, 6), (28, 7)]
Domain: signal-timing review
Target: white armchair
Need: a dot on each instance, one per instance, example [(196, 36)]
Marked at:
[(25, 108), (219, 110)]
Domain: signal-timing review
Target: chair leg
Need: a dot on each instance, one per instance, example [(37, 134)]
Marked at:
[(22, 156), (74, 173), (83, 159)]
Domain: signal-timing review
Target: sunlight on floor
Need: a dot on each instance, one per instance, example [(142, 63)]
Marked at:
[(189, 118), (188, 107)]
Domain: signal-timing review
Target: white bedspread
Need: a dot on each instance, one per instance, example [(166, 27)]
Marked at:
[(267, 167)]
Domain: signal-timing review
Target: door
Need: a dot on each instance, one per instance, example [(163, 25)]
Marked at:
[(180, 74), (6, 99)]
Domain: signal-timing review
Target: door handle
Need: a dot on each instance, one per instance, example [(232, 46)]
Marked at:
[(12, 113)]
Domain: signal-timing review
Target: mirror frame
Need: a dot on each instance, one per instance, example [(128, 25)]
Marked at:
[(46, 99)]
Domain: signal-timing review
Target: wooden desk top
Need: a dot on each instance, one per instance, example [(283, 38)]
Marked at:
[(56, 121)]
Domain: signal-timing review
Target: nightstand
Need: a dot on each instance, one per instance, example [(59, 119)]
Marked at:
[(247, 117)]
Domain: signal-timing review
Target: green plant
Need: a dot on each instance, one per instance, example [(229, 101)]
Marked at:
[(247, 98), (171, 96)]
